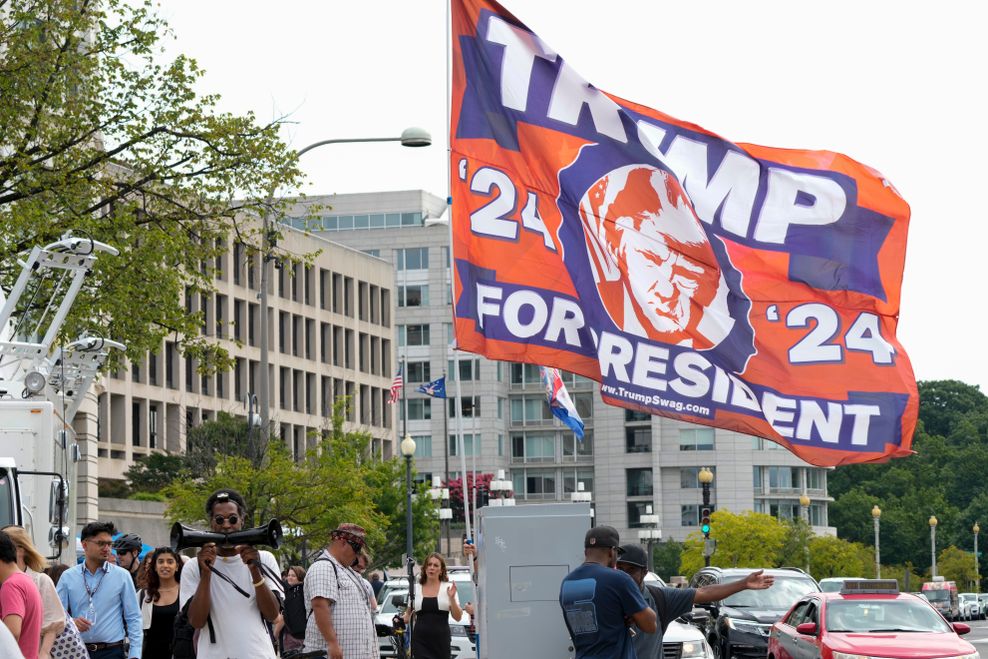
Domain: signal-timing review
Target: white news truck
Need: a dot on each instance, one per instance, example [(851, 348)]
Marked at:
[(42, 384)]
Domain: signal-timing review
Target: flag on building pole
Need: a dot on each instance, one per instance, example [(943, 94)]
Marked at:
[(397, 385), (436, 388), (559, 402)]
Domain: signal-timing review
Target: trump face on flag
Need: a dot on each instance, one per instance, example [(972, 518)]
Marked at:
[(656, 273)]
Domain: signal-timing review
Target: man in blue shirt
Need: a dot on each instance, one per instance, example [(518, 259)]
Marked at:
[(670, 603), (101, 598), (600, 603)]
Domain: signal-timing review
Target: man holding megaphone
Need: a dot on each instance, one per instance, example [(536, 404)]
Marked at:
[(231, 593)]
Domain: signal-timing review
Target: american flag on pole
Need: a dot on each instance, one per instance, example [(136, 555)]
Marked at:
[(396, 386)]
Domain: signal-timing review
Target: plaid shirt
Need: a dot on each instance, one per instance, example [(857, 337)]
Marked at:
[(350, 609)]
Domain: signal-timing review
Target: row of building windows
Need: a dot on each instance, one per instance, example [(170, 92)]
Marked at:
[(554, 484), (357, 222), (778, 479), (331, 291), (638, 439)]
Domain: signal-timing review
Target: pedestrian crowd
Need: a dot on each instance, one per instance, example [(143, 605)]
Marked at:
[(226, 602)]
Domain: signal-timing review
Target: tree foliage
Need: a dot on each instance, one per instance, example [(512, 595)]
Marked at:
[(101, 137), (942, 479), (747, 539), (151, 473), (836, 557), (957, 565)]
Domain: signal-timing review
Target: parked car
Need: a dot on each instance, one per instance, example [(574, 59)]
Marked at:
[(872, 620), (392, 601), (983, 601), (681, 639), (970, 607), (739, 625)]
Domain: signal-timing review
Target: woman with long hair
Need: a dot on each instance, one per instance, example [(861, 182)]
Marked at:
[(31, 562), (159, 603), (435, 601), (143, 571), (289, 645)]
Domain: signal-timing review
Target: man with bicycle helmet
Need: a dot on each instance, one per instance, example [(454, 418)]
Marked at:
[(128, 549)]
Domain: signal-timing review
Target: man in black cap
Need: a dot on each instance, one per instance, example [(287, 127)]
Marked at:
[(600, 602), (670, 603)]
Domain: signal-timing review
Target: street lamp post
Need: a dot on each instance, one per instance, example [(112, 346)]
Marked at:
[(500, 490), (440, 495), (933, 546), (804, 509), (407, 448), (977, 569), (706, 477), (876, 514), (412, 137), (650, 533)]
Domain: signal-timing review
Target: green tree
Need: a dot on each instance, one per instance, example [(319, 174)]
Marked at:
[(835, 557), (100, 137), (957, 565), (224, 436), (150, 473), (666, 555), (748, 539), (793, 551)]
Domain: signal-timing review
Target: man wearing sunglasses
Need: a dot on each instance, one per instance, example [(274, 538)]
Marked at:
[(341, 623), (231, 596)]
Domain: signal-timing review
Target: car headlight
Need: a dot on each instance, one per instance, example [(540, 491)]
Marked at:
[(458, 630), (749, 627), (699, 649)]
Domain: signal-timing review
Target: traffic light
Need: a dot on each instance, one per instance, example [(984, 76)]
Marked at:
[(705, 521)]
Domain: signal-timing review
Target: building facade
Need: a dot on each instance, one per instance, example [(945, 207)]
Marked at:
[(331, 334), (627, 461)]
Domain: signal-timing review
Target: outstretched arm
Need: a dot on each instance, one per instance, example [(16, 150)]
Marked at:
[(754, 581)]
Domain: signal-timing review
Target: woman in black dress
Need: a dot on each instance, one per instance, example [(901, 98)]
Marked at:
[(435, 601), (159, 603)]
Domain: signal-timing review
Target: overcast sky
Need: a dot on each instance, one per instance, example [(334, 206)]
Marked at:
[(895, 85)]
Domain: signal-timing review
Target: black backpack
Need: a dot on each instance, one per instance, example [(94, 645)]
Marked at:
[(183, 634), (293, 609)]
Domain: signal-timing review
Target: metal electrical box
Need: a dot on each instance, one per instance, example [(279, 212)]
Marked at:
[(525, 551)]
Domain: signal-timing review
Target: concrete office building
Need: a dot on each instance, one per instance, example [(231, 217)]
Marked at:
[(330, 327), (627, 460)]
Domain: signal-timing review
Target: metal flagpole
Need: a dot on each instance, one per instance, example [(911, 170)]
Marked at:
[(449, 215), (446, 451)]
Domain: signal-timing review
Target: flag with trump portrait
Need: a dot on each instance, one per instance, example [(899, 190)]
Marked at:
[(732, 285)]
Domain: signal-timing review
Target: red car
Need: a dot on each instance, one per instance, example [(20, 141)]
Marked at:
[(866, 619)]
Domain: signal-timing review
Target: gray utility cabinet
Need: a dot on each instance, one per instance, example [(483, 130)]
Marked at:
[(525, 551)]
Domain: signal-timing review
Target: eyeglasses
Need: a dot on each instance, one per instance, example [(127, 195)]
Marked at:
[(101, 543), (355, 546), (232, 519)]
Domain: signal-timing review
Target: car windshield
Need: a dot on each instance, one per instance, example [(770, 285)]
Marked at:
[(866, 616), (937, 595), (783, 593)]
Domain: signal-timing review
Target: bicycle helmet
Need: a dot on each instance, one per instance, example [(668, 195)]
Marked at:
[(128, 542)]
